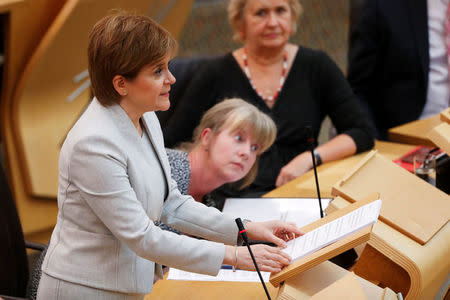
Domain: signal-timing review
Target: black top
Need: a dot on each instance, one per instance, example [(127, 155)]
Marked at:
[(314, 88), (388, 62)]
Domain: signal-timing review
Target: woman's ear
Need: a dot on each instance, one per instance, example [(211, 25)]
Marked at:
[(206, 136), (120, 85)]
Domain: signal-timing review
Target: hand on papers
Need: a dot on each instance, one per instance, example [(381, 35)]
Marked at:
[(277, 232), (269, 259)]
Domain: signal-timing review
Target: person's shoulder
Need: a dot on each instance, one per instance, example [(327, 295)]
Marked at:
[(309, 54), (95, 127), (219, 62), (311, 60)]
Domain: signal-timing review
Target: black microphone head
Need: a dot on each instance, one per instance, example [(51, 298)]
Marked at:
[(309, 135), (241, 229), (239, 224)]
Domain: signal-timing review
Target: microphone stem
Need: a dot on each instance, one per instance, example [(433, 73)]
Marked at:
[(257, 270), (317, 181)]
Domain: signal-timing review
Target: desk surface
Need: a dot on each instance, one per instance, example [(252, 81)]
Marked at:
[(330, 173), (201, 290), (302, 186), (415, 132)]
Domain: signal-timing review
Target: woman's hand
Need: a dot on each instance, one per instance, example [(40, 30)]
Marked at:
[(268, 259), (298, 166), (277, 232)]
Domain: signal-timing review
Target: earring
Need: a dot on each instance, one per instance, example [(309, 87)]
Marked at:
[(125, 93)]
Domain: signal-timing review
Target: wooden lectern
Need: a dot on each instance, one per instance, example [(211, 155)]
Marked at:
[(329, 281), (295, 280), (414, 132), (409, 246)]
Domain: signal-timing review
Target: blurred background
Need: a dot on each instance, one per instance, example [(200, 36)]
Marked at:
[(323, 25)]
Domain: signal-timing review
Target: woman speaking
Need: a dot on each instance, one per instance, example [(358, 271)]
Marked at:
[(114, 183)]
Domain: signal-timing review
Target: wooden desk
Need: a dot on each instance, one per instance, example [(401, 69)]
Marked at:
[(390, 259), (332, 172), (309, 283), (415, 132), (329, 174), (201, 290)]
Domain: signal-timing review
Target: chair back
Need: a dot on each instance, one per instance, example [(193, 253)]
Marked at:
[(13, 257)]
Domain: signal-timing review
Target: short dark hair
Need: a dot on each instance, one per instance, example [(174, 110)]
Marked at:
[(122, 44)]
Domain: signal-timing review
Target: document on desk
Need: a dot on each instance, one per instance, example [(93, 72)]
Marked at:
[(301, 211), (224, 275), (333, 231)]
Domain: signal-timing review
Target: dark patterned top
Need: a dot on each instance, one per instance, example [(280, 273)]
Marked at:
[(180, 169), (181, 173)]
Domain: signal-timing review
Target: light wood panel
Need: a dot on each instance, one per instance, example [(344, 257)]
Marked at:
[(429, 207), (396, 261), (201, 290), (330, 173), (415, 132), (392, 259), (445, 115), (36, 113), (440, 135), (24, 25)]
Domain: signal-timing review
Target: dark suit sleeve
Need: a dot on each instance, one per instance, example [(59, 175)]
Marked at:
[(198, 98), (341, 104), (364, 54)]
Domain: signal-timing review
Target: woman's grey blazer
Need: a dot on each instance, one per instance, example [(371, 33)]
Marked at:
[(105, 236)]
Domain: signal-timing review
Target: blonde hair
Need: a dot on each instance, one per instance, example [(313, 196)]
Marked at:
[(236, 16), (122, 44), (236, 114)]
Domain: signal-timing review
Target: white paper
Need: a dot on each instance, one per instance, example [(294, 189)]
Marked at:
[(333, 231), (301, 211), (224, 275)]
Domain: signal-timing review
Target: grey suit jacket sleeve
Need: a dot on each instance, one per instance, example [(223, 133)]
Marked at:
[(99, 170)]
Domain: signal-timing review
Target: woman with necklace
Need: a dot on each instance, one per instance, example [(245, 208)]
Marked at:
[(295, 85)]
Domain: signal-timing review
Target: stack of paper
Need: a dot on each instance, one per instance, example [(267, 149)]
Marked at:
[(334, 230), (301, 211), (224, 275)]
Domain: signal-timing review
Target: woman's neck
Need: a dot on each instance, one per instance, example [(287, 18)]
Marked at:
[(265, 56), (134, 116), (203, 178)]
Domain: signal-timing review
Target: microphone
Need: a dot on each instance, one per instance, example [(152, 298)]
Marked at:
[(310, 140), (243, 233), (345, 259)]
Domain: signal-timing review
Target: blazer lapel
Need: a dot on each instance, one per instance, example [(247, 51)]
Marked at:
[(125, 124), (418, 18), (158, 150)]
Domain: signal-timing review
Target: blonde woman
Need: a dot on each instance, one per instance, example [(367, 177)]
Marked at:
[(115, 183), (225, 148)]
